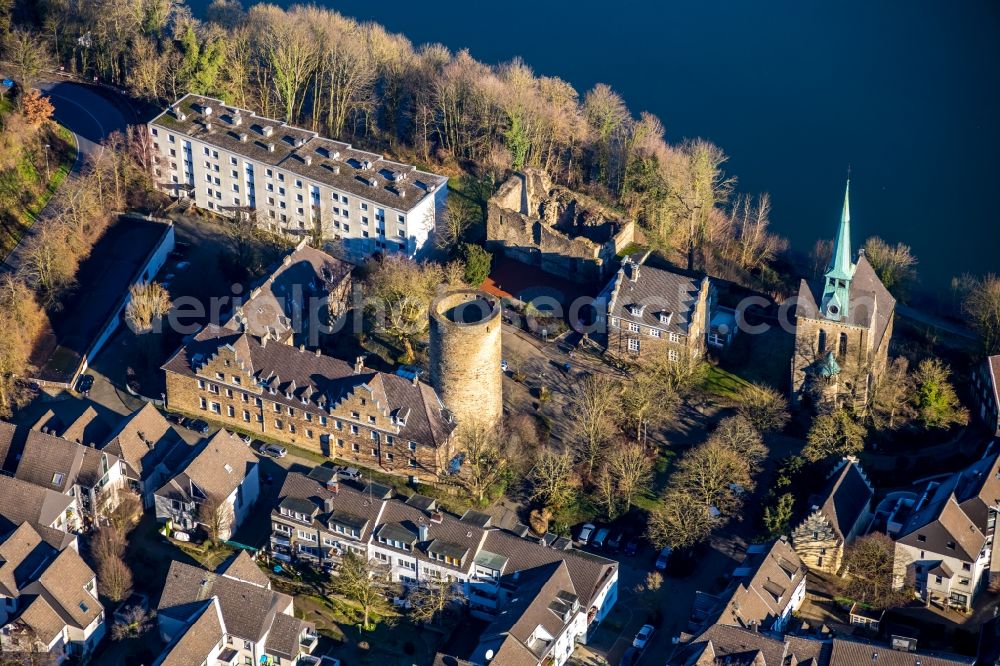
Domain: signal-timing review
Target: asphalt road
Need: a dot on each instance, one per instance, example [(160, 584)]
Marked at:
[(91, 118)]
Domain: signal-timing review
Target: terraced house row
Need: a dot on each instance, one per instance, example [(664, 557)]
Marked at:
[(540, 596), (229, 160), (313, 401)]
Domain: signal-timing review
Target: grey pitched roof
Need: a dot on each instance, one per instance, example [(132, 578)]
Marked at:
[(242, 567), (247, 609), (319, 378), (58, 464), (203, 631), (283, 295), (853, 652), (300, 151), (763, 595), (22, 554), (845, 498), (941, 527), (541, 597), (348, 506), (871, 304), (218, 467), (42, 618), (145, 439), (63, 584), (283, 639), (658, 292), (21, 501), (733, 645)]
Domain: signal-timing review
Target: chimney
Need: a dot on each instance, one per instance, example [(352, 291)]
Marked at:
[(208, 126), (243, 137), (263, 341), (302, 348), (333, 485), (319, 352), (237, 119), (416, 378), (423, 530), (270, 147), (267, 130), (437, 517), (307, 159), (359, 365)]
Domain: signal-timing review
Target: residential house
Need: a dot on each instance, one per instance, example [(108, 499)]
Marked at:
[(849, 651), (230, 161), (539, 621), (53, 514), (321, 516), (653, 311), (150, 451), (842, 326), (839, 514), (986, 393), (945, 546), (313, 401), (305, 294), (231, 615), (49, 598), (215, 490), (738, 646), (765, 589), (94, 478), (565, 233)]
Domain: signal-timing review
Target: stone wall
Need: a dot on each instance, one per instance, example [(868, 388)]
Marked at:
[(336, 434), (465, 356), (563, 232), (817, 545), (860, 365)]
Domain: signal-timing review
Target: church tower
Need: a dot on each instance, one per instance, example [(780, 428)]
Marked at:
[(842, 326), (836, 301)]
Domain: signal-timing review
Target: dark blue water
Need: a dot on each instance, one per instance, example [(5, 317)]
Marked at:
[(905, 92)]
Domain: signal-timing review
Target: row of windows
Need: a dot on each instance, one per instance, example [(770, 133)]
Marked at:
[(270, 173), (652, 332)]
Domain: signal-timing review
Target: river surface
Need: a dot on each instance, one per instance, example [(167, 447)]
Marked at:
[(906, 92)]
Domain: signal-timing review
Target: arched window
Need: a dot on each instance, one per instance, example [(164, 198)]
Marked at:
[(821, 342)]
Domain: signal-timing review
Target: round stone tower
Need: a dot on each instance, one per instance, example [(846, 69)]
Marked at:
[(465, 355)]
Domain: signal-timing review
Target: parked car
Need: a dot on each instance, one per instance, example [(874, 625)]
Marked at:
[(199, 426), (84, 384), (662, 558), (327, 660), (632, 545), (349, 473), (630, 657), (642, 638), (503, 366), (586, 532), (176, 418), (274, 450), (615, 541), (247, 439), (600, 538)]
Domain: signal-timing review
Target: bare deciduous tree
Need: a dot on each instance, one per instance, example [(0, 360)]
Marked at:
[(148, 303), (431, 599), (399, 297), (595, 414), (873, 574), (489, 454), (552, 480), (765, 408), (366, 583), (981, 303), (114, 579), (833, 435), (215, 514), (895, 265)]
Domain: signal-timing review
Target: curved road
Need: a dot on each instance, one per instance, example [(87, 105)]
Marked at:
[(91, 118)]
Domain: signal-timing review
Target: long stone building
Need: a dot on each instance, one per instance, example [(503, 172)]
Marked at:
[(313, 401), (843, 326), (229, 160)]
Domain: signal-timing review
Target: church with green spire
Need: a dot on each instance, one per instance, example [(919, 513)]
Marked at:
[(843, 325)]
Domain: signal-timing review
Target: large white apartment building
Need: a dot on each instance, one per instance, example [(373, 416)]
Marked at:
[(229, 160)]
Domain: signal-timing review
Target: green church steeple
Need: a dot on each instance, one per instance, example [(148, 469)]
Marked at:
[(837, 288)]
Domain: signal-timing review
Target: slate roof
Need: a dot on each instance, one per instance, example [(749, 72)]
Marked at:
[(661, 292), (202, 633), (734, 646), (21, 501), (845, 498), (302, 152), (145, 439), (323, 380), (247, 609), (45, 456), (852, 652), (87, 428), (540, 597), (871, 304), (283, 639), (242, 567), (64, 582), (763, 595), (220, 465), (42, 618), (273, 304), (22, 553), (587, 572)]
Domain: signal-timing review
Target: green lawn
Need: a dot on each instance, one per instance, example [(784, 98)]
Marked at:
[(723, 383)]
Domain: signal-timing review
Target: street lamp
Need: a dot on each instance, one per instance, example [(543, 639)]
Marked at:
[(46, 162)]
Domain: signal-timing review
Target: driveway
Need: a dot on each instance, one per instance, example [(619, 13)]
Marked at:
[(91, 117)]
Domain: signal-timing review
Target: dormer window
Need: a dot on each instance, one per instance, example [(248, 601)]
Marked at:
[(636, 309), (665, 317)]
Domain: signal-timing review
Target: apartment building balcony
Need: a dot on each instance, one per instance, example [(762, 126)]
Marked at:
[(308, 660), (279, 540), (308, 640)]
